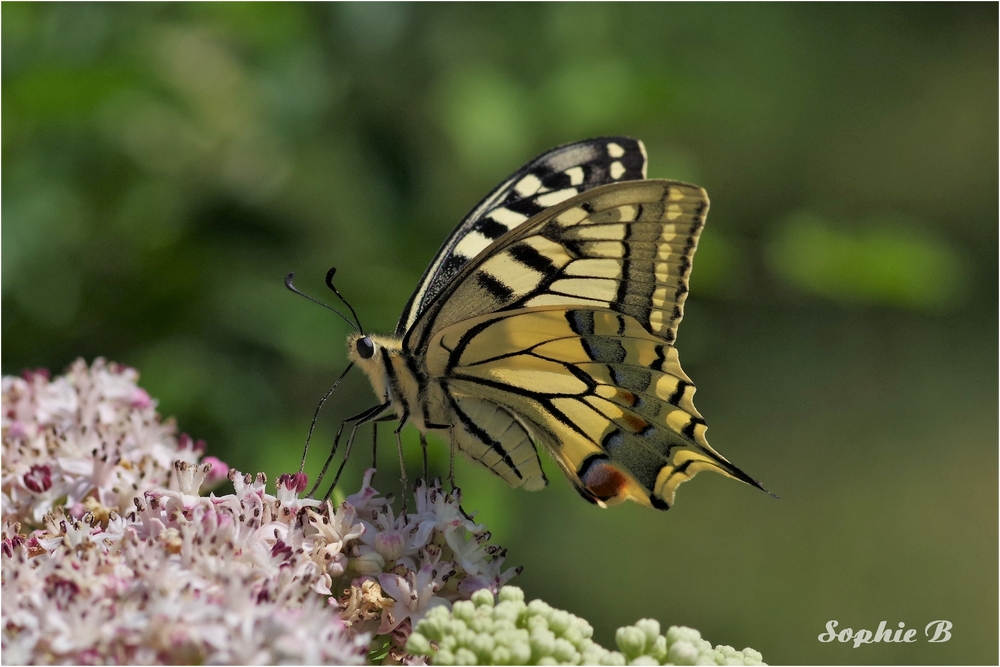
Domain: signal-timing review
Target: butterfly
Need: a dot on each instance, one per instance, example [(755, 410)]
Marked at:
[(548, 318)]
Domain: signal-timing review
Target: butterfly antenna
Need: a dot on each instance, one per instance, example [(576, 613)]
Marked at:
[(329, 283), (293, 288)]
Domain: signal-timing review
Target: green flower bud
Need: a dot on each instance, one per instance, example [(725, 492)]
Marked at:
[(483, 645), (650, 627), (507, 611), (482, 598), (536, 622), (443, 657), (645, 660), (466, 637), (520, 652), (542, 643), (680, 633), (658, 649), (559, 621), (418, 644), (370, 563), (710, 658), (573, 636), (464, 610), (539, 608), (456, 626), (511, 594), (682, 653), (585, 628), (547, 660), (613, 658), (464, 656), (500, 656), (631, 641), (481, 625), (564, 652)]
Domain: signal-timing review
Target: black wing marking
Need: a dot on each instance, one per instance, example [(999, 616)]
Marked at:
[(549, 179)]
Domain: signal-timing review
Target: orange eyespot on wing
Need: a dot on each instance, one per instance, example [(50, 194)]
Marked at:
[(601, 479)]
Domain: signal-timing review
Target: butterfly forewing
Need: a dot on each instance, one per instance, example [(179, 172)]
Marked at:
[(549, 179), (626, 247)]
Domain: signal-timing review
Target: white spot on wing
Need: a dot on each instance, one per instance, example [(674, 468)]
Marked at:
[(473, 244), (528, 185), (507, 217), (575, 175), (516, 276), (557, 197), (617, 169), (614, 150)]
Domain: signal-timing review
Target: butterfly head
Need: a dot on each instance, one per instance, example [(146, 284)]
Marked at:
[(371, 352)]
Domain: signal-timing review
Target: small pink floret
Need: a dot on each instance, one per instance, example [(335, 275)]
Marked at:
[(38, 479), (140, 399), (219, 471)]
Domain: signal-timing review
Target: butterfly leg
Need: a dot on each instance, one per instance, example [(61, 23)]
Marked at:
[(402, 465), (374, 447), (451, 463), (360, 418), (312, 426), (423, 446), (347, 455)]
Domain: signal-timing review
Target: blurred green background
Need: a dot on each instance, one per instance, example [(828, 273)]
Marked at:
[(164, 167)]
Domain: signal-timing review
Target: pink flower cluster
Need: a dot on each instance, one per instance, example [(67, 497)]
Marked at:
[(111, 555)]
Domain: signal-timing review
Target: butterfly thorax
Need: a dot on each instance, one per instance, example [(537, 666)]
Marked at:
[(398, 380)]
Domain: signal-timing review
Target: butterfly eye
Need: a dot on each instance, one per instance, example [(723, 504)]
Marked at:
[(365, 347)]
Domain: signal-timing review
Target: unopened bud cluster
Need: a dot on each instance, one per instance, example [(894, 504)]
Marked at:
[(506, 631)]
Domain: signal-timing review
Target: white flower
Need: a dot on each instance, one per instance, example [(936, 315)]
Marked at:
[(414, 594), (111, 554)]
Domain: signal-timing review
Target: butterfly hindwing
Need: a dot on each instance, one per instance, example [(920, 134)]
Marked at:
[(490, 434), (607, 398), (549, 179)]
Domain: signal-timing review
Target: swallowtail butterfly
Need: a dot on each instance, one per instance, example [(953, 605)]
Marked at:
[(548, 318)]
